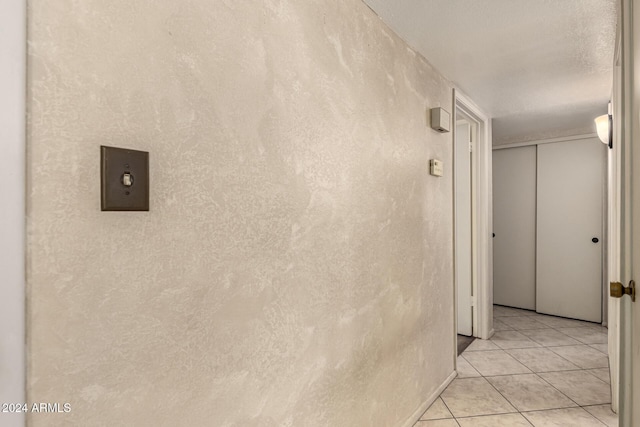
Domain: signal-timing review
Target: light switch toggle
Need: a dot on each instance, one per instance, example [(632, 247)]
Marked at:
[(127, 179)]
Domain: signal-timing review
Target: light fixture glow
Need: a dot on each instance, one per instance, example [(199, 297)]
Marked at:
[(602, 126)]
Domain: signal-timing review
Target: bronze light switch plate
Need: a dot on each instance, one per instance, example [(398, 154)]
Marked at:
[(124, 179)]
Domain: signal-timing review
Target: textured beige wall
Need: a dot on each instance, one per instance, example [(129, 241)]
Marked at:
[(295, 268)]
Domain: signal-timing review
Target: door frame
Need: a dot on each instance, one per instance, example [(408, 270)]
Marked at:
[(12, 212), (462, 119), (481, 218)]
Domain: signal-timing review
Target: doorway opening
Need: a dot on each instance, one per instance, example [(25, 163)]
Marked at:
[(472, 219)]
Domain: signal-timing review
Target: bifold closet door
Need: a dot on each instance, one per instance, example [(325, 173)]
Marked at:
[(514, 225), (570, 228)]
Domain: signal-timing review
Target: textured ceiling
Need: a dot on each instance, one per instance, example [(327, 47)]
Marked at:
[(540, 68)]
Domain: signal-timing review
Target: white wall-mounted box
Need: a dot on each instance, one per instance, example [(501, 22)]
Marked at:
[(440, 120)]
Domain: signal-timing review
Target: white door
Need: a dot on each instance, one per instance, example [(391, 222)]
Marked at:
[(629, 389), (630, 311), (630, 322), (514, 225), (570, 229), (463, 227), (13, 56), (628, 124), (629, 345)]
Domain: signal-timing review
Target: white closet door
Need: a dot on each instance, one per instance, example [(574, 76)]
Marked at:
[(570, 204), (514, 225)]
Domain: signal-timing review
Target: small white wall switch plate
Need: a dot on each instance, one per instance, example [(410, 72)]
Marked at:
[(440, 120), (435, 167)]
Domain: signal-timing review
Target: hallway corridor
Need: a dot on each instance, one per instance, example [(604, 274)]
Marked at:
[(536, 370)]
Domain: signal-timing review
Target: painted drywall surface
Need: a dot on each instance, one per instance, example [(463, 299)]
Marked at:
[(295, 267), (519, 60), (12, 194)]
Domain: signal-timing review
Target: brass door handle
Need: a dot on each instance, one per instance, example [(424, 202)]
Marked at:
[(617, 290)]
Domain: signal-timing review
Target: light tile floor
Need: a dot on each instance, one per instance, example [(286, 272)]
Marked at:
[(536, 370)]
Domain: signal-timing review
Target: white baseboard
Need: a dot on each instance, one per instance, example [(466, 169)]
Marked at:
[(418, 413)]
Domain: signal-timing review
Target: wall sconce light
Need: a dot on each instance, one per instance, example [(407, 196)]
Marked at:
[(604, 126)]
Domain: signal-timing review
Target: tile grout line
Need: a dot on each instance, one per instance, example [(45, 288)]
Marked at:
[(573, 370), (558, 390), (538, 376), (574, 363), (448, 409), (556, 354), (542, 372), (539, 346), (492, 415), (503, 396), (453, 417), (590, 406)]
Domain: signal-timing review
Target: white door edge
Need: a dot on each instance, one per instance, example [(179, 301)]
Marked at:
[(12, 212)]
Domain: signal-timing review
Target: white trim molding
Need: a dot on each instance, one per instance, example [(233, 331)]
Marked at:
[(12, 209), (482, 217), (545, 141)]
